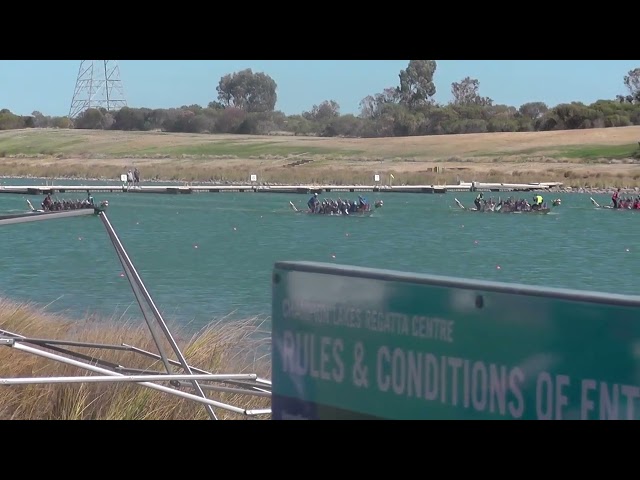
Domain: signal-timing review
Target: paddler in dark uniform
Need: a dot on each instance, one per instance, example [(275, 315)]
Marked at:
[(47, 202), (313, 201), (478, 201)]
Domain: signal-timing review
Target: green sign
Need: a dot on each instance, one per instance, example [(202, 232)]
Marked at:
[(361, 343)]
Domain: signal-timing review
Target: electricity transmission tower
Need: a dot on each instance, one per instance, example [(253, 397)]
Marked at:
[(98, 86)]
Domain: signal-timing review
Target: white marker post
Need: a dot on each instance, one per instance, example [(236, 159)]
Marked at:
[(376, 178)]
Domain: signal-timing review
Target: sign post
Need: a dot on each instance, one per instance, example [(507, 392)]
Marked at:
[(352, 342), (376, 178), (254, 178)]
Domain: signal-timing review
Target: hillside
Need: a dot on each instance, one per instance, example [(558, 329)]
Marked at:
[(607, 152)]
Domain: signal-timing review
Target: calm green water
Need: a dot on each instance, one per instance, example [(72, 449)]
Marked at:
[(71, 265)]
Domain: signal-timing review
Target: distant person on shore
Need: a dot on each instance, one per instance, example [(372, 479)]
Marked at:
[(136, 177), (129, 179), (614, 198)]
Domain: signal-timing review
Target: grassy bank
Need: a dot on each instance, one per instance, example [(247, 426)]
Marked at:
[(579, 158), (221, 348)]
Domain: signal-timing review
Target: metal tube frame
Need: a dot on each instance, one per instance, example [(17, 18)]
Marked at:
[(173, 362), (251, 389), (134, 278), (244, 384), (52, 356)]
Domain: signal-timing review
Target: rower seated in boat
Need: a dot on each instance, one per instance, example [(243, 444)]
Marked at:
[(330, 206), (537, 202), (363, 205), (47, 203), (478, 201)]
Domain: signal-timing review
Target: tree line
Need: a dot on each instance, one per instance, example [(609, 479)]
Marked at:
[(246, 102)]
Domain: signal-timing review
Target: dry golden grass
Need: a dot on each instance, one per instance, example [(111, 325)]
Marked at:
[(345, 173), (503, 157), (220, 348), (432, 147)]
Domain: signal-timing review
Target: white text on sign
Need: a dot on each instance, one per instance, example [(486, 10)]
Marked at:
[(483, 387), (370, 319)]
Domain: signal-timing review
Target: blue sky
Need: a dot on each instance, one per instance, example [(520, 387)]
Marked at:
[(47, 85)]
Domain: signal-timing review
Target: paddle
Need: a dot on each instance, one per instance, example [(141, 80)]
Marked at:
[(293, 206), (460, 204), (32, 207)]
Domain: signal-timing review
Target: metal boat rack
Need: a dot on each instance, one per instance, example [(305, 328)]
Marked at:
[(195, 379)]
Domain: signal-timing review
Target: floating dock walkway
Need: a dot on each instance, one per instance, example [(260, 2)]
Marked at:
[(300, 189)]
